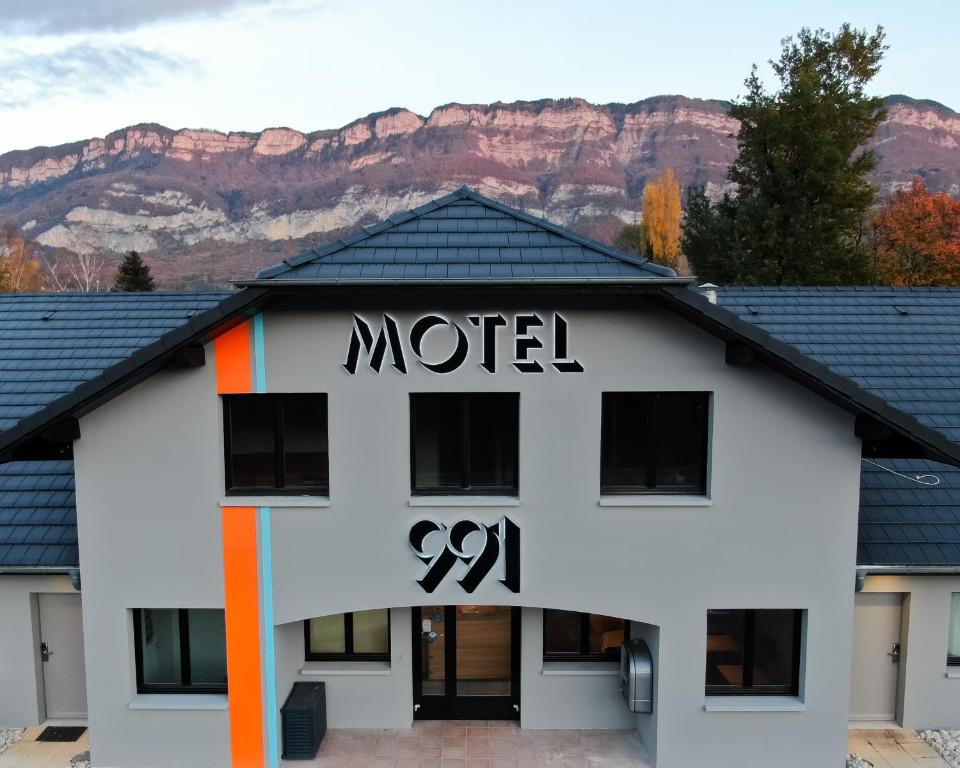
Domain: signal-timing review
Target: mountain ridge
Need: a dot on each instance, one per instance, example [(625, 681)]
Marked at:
[(207, 205)]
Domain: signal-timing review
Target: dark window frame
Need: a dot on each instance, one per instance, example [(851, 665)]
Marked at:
[(584, 654), (952, 661), (279, 471), (465, 489), (348, 653), (746, 688), (183, 624), (651, 488)]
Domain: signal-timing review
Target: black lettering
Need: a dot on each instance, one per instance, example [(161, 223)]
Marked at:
[(362, 337), (560, 361), (525, 342), (459, 354)]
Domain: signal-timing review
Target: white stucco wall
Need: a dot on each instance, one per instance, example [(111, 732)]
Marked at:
[(779, 532), (21, 677), (927, 697)]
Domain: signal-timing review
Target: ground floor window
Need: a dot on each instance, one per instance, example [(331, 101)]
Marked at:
[(753, 651), (357, 636), (953, 646), (180, 650), (573, 636)]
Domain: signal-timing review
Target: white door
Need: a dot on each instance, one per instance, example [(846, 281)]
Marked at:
[(876, 656), (61, 651)]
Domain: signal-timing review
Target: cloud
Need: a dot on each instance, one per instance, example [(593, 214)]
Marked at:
[(80, 70), (54, 17)]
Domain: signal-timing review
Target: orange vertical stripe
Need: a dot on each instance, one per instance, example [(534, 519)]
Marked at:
[(232, 353), (243, 636)]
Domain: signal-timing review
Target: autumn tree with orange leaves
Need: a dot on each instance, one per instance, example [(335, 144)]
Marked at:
[(662, 209), (917, 238), (20, 270)]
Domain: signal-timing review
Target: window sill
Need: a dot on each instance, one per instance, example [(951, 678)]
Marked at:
[(754, 704), (585, 668), (464, 501), (654, 500), (346, 668), (184, 701), (301, 502)]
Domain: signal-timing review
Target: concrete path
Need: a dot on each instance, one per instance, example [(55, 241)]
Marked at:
[(894, 748), (476, 744), (30, 753)]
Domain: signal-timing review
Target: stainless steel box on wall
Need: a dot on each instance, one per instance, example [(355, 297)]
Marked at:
[(636, 676)]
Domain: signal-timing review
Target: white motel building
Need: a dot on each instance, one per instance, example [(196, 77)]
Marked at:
[(468, 465)]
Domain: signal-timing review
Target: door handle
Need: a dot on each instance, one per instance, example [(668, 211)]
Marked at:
[(894, 653), (45, 652)]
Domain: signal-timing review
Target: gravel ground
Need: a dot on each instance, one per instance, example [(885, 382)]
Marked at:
[(947, 743), (80, 761), (855, 761), (9, 736)]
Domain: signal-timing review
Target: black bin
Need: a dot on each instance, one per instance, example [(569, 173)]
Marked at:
[(304, 721)]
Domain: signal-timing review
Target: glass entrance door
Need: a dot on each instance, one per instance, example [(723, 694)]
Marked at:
[(466, 662)]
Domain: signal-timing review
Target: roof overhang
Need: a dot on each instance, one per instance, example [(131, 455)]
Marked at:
[(670, 293), (279, 283)]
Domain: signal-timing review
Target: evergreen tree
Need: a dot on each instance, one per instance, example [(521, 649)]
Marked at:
[(133, 274), (633, 239), (800, 208)]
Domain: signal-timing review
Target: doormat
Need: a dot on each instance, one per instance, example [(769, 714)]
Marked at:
[(62, 733)]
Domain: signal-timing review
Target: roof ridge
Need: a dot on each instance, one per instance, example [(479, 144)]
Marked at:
[(463, 192)]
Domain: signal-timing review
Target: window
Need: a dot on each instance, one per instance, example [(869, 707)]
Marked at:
[(953, 646), (358, 636), (572, 636), (180, 650), (753, 651), (276, 443), (654, 442), (464, 443)]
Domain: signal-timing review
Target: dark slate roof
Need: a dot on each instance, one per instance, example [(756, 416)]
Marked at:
[(51, 343), (901, 344), (908, 523), (38, 517), (464, 236)]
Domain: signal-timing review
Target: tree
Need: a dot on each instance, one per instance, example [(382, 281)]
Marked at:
[(917, 238), (133, 274), (661, 219), (633, 239), (800, 208), (19, 269)]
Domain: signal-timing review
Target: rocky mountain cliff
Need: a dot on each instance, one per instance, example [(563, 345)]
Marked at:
[(206, 206)]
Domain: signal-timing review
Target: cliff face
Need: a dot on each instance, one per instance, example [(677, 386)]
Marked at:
[(206, 206)]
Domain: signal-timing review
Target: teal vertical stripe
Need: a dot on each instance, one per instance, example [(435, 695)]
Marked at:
[(259, 361), (269, 649)]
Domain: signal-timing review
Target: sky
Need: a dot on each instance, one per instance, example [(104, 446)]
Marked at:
[(75, 69)]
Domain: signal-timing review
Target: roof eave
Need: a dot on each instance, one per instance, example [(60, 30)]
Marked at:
[(140, 365), (393, 282), (908, 570), (813, 375)]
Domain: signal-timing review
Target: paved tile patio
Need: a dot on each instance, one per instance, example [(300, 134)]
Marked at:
[(477, 744), (894, 748), (30, 753)]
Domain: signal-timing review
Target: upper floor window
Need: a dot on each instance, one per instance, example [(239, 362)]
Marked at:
[(464, 443), (654, 442), (357, 636), (573, 636), (753, 651), (276, 443), (953, 646), (180, 650)]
